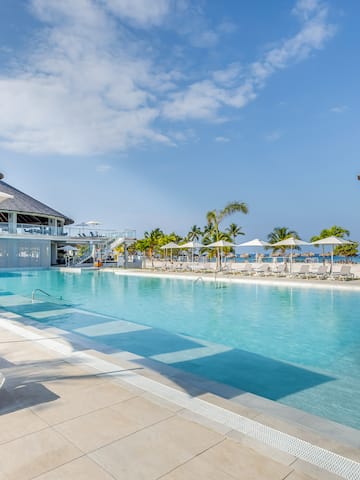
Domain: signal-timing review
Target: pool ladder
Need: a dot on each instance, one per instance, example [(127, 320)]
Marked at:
[(44, 293)]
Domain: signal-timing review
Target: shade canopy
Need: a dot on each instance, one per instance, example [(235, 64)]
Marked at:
[(221, 244), (192, 245), (93, 222), (290, 242), (170, 245), (331, 241), (255, 243), (68, 248)]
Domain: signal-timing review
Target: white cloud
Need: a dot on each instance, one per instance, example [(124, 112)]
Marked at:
[(304, 8), (228, 75), (222, 139), (235, 88), (339, 109), (143, 13), (103, 168), (273, 136), (205, 39), (78, 94), (227, 27), (183, 136), (88, 85)]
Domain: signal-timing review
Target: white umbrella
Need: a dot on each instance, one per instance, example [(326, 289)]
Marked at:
[(332, 241), (255, 243), (93, 222), (170, 246), (5, 196), (68, 248), (193, 245), (220, 244), (290, 242)]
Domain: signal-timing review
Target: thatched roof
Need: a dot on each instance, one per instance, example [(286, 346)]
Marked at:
[(23, 203)]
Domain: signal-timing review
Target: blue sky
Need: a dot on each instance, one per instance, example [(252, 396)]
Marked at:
[(148, 114)]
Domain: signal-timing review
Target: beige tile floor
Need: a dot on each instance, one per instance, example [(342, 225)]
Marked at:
[(60, 421)]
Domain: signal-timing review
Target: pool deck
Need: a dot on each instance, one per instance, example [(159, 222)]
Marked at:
[(69, 411)]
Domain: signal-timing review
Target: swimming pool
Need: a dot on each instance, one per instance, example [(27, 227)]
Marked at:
[(296, 346)]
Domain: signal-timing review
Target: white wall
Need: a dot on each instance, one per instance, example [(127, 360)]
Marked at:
[(17, 253)]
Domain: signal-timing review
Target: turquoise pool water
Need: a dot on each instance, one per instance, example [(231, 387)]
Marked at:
[(297, 346)]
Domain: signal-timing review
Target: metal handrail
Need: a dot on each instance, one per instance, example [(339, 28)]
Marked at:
[(45, 293)]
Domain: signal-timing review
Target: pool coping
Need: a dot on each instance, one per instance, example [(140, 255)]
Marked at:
[(244, 423), (253, 280)]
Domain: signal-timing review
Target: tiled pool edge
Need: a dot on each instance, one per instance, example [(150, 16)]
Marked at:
[(303, 450), (265, 281)]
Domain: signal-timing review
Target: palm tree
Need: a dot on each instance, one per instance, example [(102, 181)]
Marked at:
[(211, 237), (194, 233), (334, 231), (234, 231), (215, 217), (279, 234), (152, 241)]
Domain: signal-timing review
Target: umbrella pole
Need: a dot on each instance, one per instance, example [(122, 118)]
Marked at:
[(332, 259)]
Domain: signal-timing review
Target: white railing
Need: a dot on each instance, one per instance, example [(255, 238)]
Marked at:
[(67, 231), (99, 233), (30, 229)]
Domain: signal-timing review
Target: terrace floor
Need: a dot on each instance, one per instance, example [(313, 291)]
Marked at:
[(61, 418)]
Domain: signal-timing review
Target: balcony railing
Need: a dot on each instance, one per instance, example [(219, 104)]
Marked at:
[(65, 232)]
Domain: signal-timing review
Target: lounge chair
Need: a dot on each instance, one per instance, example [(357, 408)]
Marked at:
[(244, 269), (303, 272), (343, 274), (321, 272), (280, 270), (227, 267), (261, 270)]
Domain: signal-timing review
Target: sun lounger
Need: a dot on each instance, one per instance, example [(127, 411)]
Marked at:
[(343, 274), (261, 270), (244, 269), (303, 272), (321, 272), (227, 268), (279, 270)]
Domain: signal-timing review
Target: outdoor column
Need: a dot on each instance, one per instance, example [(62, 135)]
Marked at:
[(12, 222), (52, 226)]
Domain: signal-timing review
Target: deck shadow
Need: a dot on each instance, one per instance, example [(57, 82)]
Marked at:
[(21, 390), (243, 370), (14, 398), (148, 342), (254, 373)]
